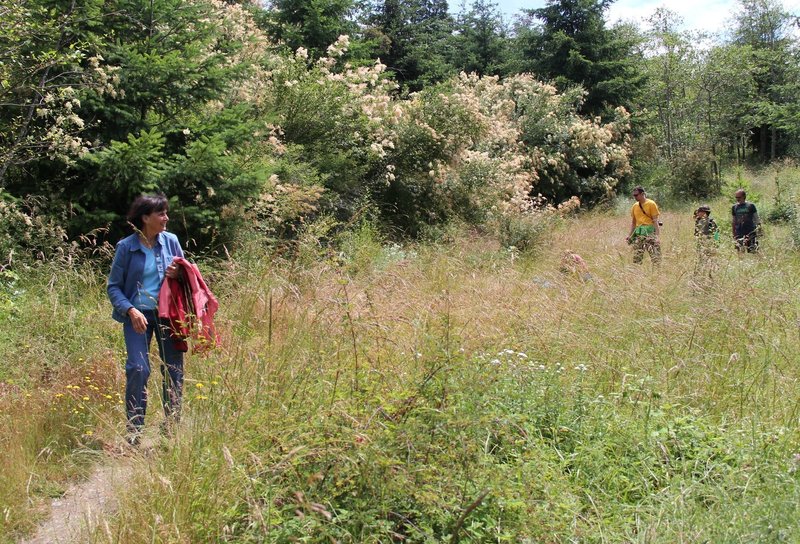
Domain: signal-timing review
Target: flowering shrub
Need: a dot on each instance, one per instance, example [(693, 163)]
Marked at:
[(526, 231), (481, 148), (46, 71), (284, 200), (26, 234), (475, 147), (212, 120)]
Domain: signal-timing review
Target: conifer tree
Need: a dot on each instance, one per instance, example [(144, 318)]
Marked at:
[(567, 41), (481, 45), (418, 37), (312, 24), (763, 25)]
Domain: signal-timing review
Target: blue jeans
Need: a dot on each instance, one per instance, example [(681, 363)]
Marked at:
[(137, 369)]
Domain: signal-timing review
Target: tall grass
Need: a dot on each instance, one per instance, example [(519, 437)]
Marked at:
[(59, 388), (462, 392), (467, 393)]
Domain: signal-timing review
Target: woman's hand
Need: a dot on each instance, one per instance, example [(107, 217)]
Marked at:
[(173, 271), (138, 320)]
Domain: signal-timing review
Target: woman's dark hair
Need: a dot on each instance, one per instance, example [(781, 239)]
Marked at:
[(144, 205)]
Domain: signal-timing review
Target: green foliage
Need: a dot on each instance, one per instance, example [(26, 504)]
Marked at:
[(195, 99), (314, 114), (740, 181), (197, 104), (783, 209), (725, 99), (417, 34), (763, 25), (292, 192), (434, 129), (573, 47), (692, 177), (166, 70), (174, 58), (481, 44), (785, 204), (525, 232), (50, 60), (363, 248), (8, 292), (312, 25), (135, 166), (472, 189), (577, 157)]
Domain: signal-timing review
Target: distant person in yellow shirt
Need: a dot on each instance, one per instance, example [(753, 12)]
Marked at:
[(645, 228)]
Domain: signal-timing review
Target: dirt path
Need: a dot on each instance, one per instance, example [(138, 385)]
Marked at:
[(83, 505)]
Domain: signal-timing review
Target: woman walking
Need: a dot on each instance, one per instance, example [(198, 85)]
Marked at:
[(141, 262)]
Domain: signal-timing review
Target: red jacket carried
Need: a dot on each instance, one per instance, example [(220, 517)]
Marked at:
[(190, 307)]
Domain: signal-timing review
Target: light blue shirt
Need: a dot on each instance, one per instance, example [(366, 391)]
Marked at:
[(147, 296), (127, 270)]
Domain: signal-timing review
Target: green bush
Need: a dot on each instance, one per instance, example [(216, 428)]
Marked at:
[(526, 231), (692, 176), (8, 292), (784, 204)]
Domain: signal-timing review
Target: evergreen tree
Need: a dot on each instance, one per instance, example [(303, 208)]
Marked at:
[(417, 36), (149, 126), (763, 25), (312, 24), (567, 41), (481, 44)]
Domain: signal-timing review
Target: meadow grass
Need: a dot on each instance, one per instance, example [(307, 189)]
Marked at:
[(59, 389), (648, 405), (465, 392)]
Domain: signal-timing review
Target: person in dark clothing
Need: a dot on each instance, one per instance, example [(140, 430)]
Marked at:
[(745, 223), (705, 228)]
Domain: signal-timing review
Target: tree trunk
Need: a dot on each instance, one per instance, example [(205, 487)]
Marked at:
[(773, 142)]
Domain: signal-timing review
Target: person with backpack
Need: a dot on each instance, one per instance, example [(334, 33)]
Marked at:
[(745, 223), (645, 228)]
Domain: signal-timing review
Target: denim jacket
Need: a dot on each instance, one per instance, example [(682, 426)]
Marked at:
[(127, 269)]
